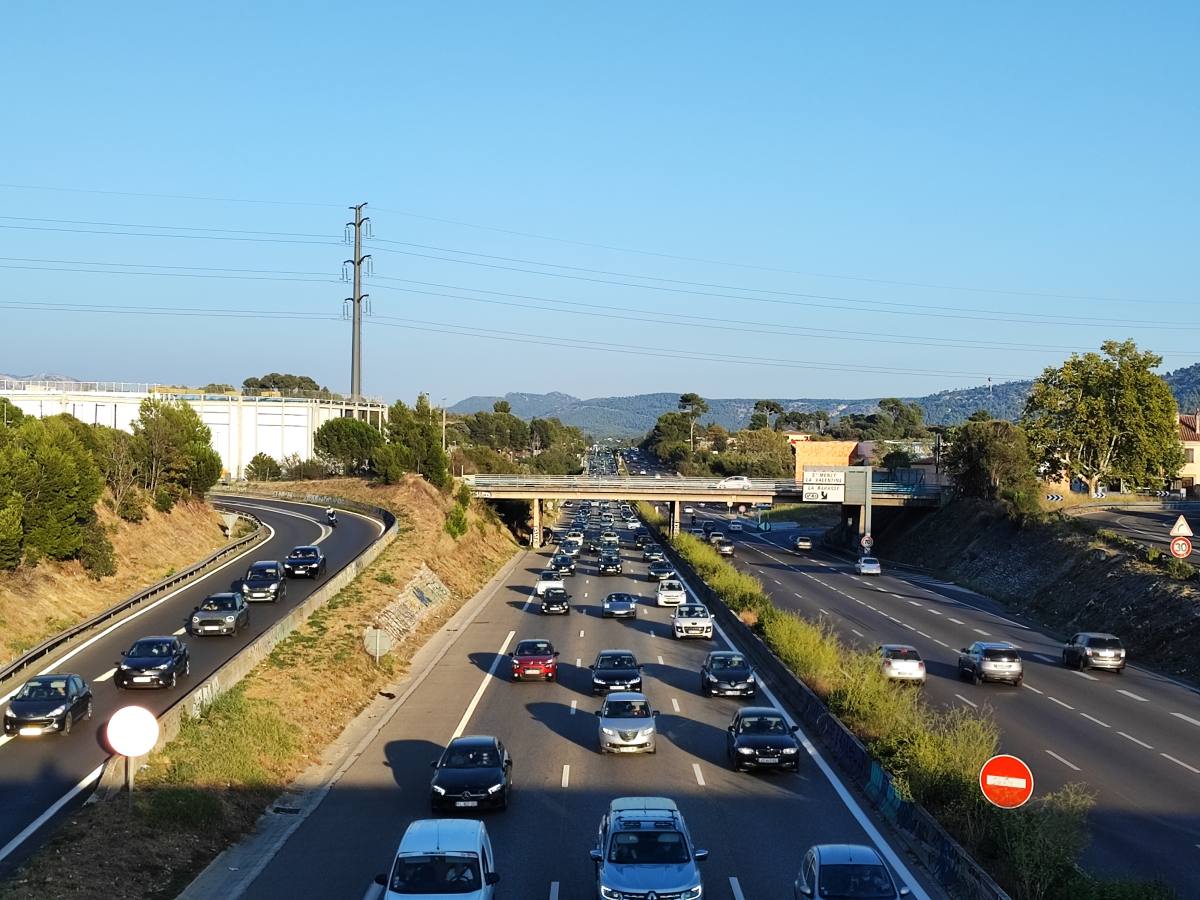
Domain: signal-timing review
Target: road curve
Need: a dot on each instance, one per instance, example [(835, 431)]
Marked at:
[(39, 772)]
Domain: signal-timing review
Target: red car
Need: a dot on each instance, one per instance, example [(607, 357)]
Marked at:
[(534, 659)]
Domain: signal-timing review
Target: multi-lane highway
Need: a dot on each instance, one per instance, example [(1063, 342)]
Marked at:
[(39, 773), (757, 827), (1132, 738)]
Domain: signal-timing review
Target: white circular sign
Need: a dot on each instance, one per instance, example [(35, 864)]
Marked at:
[(132, 731), (867, 542)]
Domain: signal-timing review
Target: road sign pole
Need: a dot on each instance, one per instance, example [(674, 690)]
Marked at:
[(867, 500)]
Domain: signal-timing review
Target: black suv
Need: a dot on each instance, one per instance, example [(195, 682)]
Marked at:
[(153, 662), (727, 672), (660, 570), (265, 581), (761, 738), (307, 560)]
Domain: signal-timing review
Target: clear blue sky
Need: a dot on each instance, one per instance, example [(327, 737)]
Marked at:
[(1006, 182)]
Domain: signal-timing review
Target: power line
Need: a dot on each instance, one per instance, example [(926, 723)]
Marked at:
[(163, 227), (149, 196), (193, 237)]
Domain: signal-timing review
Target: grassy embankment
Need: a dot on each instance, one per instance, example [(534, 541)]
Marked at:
[(208, 787)]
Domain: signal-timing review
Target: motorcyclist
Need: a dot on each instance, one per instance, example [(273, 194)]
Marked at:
[(330, 515)]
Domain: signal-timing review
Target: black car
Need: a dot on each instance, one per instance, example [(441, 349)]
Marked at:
[(728, 673), (153, 662), (563, 564), (641, 538), (556, 601), (48, 703), (759, 737), (653, 553), (609, 563), (305, 561), (220, 614), (265, 581), (474, 772), (616, 670), (660, 570), (593, 541)]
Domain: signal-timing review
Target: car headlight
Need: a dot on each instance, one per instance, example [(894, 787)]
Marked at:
[(229, 619), (746, 751), (609, 894), (9, 714), (597, 681), (440, 791), (791, 750), (58, 710), (125, 667), (609, 732), (162, 666), (692, 893), (750, 678), (195, 620), (496, 788), (711, 677), (273, 587)]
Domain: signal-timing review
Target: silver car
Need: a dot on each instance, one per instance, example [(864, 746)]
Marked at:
[(991, 661), (845, 870), (902, 663), (643, 849), (626, 724), (868, 565)]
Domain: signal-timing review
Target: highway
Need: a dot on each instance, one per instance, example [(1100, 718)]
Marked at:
[(40, 772), (1132, 738), (1150, 527), (756, 826)]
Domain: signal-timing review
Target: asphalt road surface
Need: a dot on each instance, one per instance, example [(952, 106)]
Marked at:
[(39, 772), (757, 826), (1150, 527), (1133, 738)]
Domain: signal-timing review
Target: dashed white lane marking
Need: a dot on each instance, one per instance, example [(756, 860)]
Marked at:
[(777, 581), (823, 612), (573, 702), (1086, 675), (943, 643), (856, 631), (932, 611), (179, 632), (1059, 702), (107, 675), (1035, 690), (1186, 718), (737, 888), (1130, 737), (578, 662), (909, 627), (554, 890), (660, 661), (699, 774), (913, 602), (1094, 719), (566, 779), (487, 679), (924, 635), (581, 632), (1043, 657), (1065, 762), (980, 631), (674, 704), (797, 596), (966, 701), (956, 621), (1132, 696), (1180, 762)]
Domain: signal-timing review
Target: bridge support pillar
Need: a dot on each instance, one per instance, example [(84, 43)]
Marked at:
[(535, 539), (676, 515)]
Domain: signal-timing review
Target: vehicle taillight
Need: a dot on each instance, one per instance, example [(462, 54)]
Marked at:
[(887, 663), (1088, 651), (921, 665)]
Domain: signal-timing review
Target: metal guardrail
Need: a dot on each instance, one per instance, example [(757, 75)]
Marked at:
[(366, 509), (48, 646)]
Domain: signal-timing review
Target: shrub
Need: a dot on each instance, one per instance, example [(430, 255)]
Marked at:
[(463, 495), (456, 522), (10, 532), (1180, 569), (97, 554), (297, 469), (132, 507), (263, 467), (164, 499)]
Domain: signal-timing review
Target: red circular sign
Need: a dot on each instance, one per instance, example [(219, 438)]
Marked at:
[(1006, 781), (1181, 547)]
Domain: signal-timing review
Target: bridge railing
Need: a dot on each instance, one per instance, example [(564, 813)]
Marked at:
[(637, 483)]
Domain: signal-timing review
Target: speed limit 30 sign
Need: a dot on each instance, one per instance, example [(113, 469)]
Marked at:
[(1181, 547)]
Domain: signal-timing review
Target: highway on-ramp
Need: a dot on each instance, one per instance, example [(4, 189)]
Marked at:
[(1150, 527), (38, 773)]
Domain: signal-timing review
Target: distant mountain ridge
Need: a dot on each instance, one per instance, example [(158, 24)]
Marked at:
[(634, 415)]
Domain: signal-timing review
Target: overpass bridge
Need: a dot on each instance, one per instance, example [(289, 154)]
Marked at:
[(854, 487)]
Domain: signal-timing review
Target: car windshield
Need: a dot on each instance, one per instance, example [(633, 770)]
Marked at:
[(902, 653), (728, 662), (556, 593), (693, 612), (435, 875), (263, 572), (861, 882), (534, 648), (549, 575), (305, 553), (648, 848), (618, 598), (470, 758), (763, 725), (150, 648), (221, 602), (671, 586), (42, 689), (616, 661), (627, 709), (1000, 655)]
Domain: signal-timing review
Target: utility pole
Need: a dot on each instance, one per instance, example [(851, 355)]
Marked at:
[(360, 222)]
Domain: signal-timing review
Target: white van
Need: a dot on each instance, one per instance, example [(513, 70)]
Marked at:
[(440, 857)]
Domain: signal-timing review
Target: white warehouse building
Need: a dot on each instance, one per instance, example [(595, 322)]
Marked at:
[(242, 424)]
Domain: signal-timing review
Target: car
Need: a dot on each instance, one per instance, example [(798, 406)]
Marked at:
[(473, 772), (1094, 650), (653, 553), (868, 565), (555, 601), (593, 541), (619, 605), (690, 510), (609, 545), (435, 854), (698, 533), (901, 662), (732, 483), (801, 543), (46, 704), (626, 724), (670, 593), (305, 561), (728, 673), (642, 472), (609, 563), (707, 525), (991, 661), (643, 849), (158, 661), (534, 658), (546, 580), (225, 613), (265, 581), (641, 539), (725, 547), (660, 570), (570, 548), (736, 527), (609, 536), (692, 620), (563, 564), (574, 535), (715, 536), (616, 670), (845, 870), (760, 737)]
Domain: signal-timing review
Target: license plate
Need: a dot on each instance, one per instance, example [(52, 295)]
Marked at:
[(1106, 653), (731, 692), (210, 627), (30, 731), (466, 802), (768, 759), (629, 749), (533, 671), (1004, 665), (143, 678)]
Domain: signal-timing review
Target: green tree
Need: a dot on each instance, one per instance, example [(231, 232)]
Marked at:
[(717, 437), (1104, 417), (694, 406), (10, 413), (173, 448), (11, 532), (760, 453), (417, 443), (284, 383), (897, 458), (215, 388), (116, 456), (263, 467), (991, 460), (503, 407), (347, 443), (763, 410)]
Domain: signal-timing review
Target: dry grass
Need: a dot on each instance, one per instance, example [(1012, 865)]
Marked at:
[(36, 603)]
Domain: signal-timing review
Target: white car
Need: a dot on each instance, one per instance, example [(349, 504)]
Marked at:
[(692, 620), (733, 482), (902, 663), (435, 853), (735, 525), (548, 579), (670, 593), (574, 536), (868, 565), (802, 542), (689, 510)]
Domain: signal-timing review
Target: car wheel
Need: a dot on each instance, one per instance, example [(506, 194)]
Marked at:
[(1064, 659), (90, 710), (504, 799), (976, 678), (174, 680), (187, 668), (1120, 671), (1082, 664), (67, 722), (1019, 681)]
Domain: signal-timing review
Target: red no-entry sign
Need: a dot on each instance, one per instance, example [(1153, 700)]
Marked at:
[(1181, 547), (1006, 781)]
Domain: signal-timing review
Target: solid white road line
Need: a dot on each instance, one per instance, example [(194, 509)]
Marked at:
[(566, 779), (674, 704), (487, 679), (1186, 718), (956, 621), (1132, 696), (699, 774), (966, 701), (41, 820), (107, 675), (1059, 702), (573, 702), (736, 889), (1130, 737), (554, 890), (1094, 719), (1179, 762), (1088, 677), (1065, 762)]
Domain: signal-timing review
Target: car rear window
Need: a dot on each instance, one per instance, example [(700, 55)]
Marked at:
[(997, 654), (903, 654), (1105, 643)]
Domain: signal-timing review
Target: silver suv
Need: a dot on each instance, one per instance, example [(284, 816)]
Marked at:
[(1094, 650), (991, 661), (627, 724), (643, 849)]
